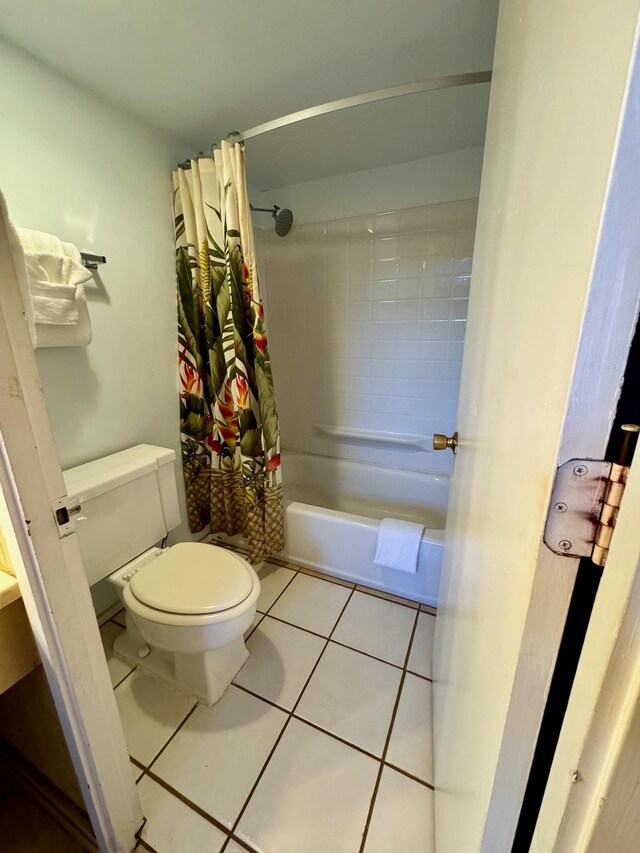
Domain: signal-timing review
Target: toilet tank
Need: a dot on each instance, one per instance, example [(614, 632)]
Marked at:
[(129, 503)]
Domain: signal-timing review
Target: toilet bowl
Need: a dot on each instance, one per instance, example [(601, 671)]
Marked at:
[(187, 608)]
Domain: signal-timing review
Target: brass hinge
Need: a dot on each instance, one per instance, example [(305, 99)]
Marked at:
[(616, 484)]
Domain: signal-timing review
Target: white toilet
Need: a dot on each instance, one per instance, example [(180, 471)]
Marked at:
[(187, 606)]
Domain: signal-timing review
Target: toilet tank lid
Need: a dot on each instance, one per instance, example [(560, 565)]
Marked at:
[(193, 578), (94, 478)]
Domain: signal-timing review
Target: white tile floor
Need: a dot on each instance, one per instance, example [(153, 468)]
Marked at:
[(323, 743)]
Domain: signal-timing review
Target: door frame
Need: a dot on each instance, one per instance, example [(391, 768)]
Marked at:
[(52, 577)]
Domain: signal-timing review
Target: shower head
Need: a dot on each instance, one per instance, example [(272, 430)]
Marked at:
[(283, 218)]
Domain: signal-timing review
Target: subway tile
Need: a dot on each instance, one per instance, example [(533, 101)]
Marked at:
[(412, 245), (384, 330), (408, 330), (462, 266), (409, 288), (359, 367), (461, 285), (383, 350), (408, 349), (360, 290), (337, 291), (436, 285), (467, 212), (464, 242), (360, 269), (384, 310), (386, 223), (385, 248), (455, 350), (383, 368), (412, 267), (434, 350), (442, 215), (411, 369), (434, 330), (408, 309), (385, 290), (459, 309), (413, 219), (385, 270), (360, 311), (440, 265), (457, 330), (436, 308), (361, 226)]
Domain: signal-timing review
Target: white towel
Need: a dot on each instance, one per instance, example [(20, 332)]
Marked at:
[(56, 278), (398, 545)]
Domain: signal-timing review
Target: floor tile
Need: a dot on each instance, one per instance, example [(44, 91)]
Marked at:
[(150, 714), (273, 579), (411, 744), (118, 669), (402, 817), (314, 796), (377, 627), (422, 647), (352, 695), (216, 757), (281, 658), (311, 603), (173, 827)]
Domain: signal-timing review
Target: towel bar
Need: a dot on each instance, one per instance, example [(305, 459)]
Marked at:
[(92, 261)]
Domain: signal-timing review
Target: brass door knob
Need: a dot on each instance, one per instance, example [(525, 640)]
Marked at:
[(442, 442)]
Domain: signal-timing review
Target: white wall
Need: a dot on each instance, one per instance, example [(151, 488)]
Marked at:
[(75, 166), (432, 180)]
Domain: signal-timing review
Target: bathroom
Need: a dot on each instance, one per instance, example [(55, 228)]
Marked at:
[(324, 739)]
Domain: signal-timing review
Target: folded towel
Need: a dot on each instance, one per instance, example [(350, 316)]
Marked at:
[(398, 545), (56, 279), (20, 268)]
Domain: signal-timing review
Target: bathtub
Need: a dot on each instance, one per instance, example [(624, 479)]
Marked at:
[(332, 510)]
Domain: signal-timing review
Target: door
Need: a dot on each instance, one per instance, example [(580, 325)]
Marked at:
[(53, 582), (553, 306)]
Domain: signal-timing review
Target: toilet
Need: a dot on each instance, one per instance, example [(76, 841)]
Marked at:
[(187, 606)]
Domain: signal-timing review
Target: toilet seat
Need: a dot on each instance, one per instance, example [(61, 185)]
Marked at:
[(193, 579)]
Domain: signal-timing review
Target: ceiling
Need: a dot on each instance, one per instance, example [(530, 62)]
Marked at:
[(198, 69)]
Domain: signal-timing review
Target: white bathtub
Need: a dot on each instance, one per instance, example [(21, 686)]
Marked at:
[(332, 510)]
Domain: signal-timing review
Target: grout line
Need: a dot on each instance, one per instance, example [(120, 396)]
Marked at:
[(258, 696), (187, 802), (284, 728), (158, 754), (336, 737), (388, 738), (410, 775), (125, 677)]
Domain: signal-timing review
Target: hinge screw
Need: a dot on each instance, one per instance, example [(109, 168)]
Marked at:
[(560, 507), (580, 470), (574, 775), (564, 544)]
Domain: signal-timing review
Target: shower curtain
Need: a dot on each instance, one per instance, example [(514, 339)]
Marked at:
[(228, 419)]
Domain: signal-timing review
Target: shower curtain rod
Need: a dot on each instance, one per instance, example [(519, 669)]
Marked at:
[(431, 85)]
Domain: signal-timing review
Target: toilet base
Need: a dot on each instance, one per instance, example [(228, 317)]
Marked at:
[(205, 676)]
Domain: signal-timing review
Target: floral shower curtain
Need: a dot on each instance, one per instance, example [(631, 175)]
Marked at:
[(228, 418)]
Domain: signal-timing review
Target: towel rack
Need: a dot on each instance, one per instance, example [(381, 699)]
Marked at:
[(92, 261)]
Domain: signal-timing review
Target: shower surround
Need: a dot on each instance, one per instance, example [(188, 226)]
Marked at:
[(366, 319)]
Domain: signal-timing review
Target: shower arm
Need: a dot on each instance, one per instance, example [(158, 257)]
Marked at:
[(272, 210)]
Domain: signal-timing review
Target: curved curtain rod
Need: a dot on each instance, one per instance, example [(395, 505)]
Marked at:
[(366, 98)]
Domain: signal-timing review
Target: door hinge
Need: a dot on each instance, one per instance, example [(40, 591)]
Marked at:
[(584, 507), (64, 509)]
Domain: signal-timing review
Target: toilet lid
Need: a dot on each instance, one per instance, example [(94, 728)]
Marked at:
[(192, 577)]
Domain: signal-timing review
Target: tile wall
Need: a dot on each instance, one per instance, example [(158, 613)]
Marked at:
[(366, 320)]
